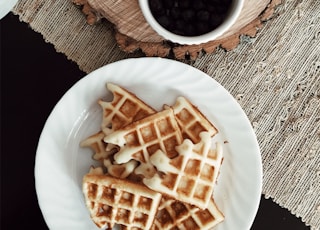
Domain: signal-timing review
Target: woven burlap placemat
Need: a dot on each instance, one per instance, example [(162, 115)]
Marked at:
[(275, 77)]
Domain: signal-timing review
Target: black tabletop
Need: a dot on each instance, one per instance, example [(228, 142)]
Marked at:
[(33, 78)]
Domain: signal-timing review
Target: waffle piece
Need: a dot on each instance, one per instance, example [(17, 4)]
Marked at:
[(143, 138), (122, 110), (104, 153), (189, 177), (173, 214), (100, 148), (191, 121), (120, 170), (113, 201)]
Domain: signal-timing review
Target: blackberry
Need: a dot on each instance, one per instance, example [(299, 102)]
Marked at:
[(203, 15), (198, 5), (175, 13), (168, 3), (164, 21), (189, 17), (184, 3), (156, 6), (180, 25)]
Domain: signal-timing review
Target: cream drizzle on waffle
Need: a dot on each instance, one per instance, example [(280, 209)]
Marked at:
[(191, 121), (142, 138), (189, 177)]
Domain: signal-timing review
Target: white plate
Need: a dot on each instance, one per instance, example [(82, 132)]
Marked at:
[(61, 163), (6, 6)]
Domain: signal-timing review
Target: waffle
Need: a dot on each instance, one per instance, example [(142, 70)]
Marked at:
[(189, 177), (191, 121), (115, 201), (152, 156), (101, 149), (120, 170), (122, 110), (140, 139), (173, 214)]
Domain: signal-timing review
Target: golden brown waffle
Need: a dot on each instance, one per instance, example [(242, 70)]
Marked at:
[(142, 148), (191, 121), (115, 201), (99, 147), (189, 177), (173, 214), (122, 110), (120, 170), (140, 139), (104, 153)]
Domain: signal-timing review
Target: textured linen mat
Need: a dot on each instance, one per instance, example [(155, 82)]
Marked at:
[(275, 77)]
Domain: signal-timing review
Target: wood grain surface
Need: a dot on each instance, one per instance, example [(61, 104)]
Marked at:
[(133, 32)]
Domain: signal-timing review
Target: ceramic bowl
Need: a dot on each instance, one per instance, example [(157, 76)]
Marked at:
[(230, 18)]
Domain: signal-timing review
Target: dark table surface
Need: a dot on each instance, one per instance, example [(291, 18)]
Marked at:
[(33, 78)]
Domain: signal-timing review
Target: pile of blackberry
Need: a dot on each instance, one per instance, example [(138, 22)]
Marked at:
[(189, 17)]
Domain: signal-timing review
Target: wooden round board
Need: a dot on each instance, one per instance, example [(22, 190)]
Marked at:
[(134, 33)]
